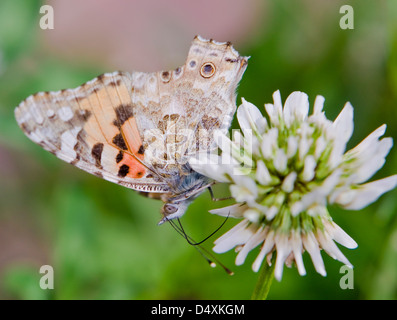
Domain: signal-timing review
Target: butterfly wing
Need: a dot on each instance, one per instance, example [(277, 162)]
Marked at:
[(184, 107), (215, 70), (94, 128)]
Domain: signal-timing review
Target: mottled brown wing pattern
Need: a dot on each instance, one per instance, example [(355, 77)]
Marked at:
[(92, 127), (185, 106)]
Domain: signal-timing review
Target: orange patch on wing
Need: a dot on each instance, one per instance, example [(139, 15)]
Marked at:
[(136, 169)]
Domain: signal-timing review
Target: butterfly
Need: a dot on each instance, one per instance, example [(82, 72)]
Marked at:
[(140, 129)]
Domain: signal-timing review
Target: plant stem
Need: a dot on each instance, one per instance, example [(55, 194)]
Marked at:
[(265, 279)]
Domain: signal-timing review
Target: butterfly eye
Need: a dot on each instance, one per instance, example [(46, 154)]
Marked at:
[(207, 70), (169, 209)]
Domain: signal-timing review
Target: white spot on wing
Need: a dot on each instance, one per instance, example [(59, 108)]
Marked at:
[(35, 112), (68, 141), (50, 113), (36, 136), (65, 113)]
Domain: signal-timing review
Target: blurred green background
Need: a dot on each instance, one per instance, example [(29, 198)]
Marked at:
[(102, 239)]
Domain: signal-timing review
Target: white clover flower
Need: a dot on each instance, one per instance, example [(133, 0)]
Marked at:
[(284, 172)]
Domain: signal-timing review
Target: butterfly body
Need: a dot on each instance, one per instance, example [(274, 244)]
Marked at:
[(140, 129)]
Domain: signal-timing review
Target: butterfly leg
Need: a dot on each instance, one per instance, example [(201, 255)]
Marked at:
[(217, 199)]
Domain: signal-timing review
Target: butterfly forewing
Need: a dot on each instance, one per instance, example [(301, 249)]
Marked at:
[(92, 127)]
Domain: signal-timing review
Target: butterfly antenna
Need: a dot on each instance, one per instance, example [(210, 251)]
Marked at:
[(188, 239), (210, 258), (205, 239)]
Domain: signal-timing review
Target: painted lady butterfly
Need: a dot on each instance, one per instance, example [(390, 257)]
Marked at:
[(139, 129)]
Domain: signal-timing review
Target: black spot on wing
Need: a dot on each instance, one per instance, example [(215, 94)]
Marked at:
[(123, 171), (141, 150), (119, 156), (115, 83), (118, 140), (79, 147), (231, 60), (140, 174), (123, 113), (101, 77), (96, 153), (83, 115)]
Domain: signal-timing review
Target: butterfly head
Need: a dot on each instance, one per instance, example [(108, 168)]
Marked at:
[(189, 188), (173, 210)]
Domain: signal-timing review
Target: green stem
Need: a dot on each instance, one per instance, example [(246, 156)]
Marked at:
[(265, 279)]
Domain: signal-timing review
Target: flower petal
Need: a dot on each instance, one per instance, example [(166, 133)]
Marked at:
[(310, 244), (296, 108), (262, 174), (223, 142), (271, 212), (321, 144), (269, 143), (266, 248), (304, 147), (252, 243), (369, 140), (250, 118), (309, 168), (238, 235), (339, 235), (318, 105), (296, 244), (373, 162), (272, 113), (252, 215), (280, 161), (341, 131), (343, 125), (365, 194), (234, 211), (330, 248), (244, 188), (278, 104), (289, 182), (283, 251), (292, 146)]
